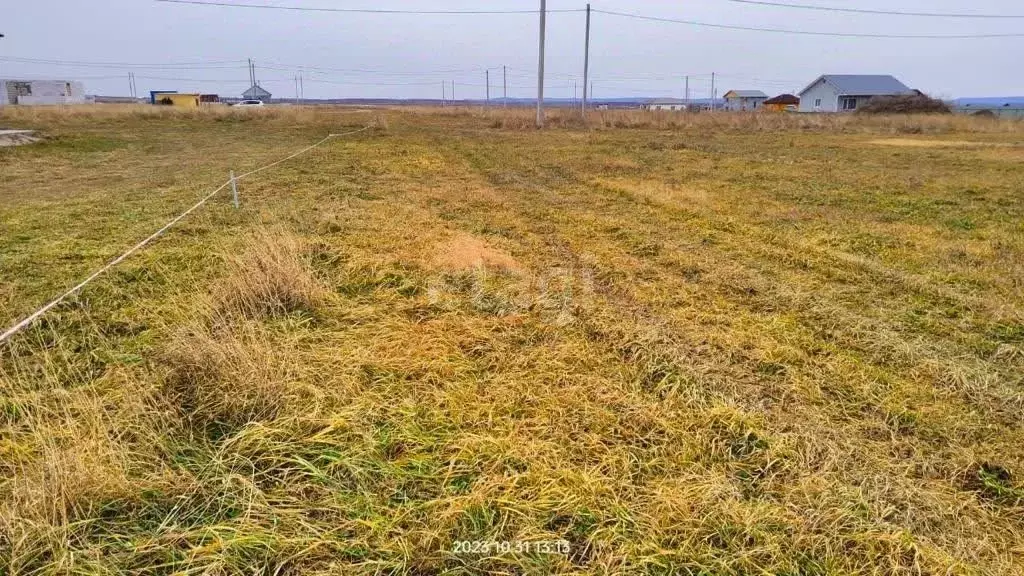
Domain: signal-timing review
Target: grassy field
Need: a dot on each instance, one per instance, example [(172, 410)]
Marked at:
[(707, 344)]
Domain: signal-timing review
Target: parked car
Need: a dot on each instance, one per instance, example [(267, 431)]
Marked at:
[(247, 103)]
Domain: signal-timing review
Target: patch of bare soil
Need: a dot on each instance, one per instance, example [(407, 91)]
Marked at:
[(17, 137), (465, 251)]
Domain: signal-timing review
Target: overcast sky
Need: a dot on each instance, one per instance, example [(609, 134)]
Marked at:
[(387, 55)]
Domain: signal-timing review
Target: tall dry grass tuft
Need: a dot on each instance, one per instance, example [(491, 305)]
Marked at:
[(285, 116), (229, 377), (74, 466), (269, 278), (226, 367), (71, 456), (523, 119)]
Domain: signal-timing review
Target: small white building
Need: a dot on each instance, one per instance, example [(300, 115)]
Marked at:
[(41, 92), (848, 92), (744, 100), (257, 92), (671, 104)]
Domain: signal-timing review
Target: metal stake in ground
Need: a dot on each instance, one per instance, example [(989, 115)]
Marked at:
[(234, 189)]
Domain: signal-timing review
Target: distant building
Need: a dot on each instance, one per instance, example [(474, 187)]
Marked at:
[(1002, 107), (257, 92), (781, 103), (116, 100), (41, 92), (154, 95), (848, 92), (178, 100), (740, 100), (671, 104)]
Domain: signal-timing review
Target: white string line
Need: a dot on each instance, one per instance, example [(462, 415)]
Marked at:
[(300, 152), (35, 315)]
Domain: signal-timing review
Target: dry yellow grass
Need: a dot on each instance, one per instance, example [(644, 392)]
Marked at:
[(700, 344), (916, 143)]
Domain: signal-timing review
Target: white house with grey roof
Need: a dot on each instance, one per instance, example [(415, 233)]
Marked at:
[(739, 100), (848, 92), (672, 104)]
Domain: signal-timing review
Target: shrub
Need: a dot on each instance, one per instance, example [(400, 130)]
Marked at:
[(269, 278), (230, 377), (905, 104)]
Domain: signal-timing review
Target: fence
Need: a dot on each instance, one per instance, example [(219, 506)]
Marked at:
[(232, 181)]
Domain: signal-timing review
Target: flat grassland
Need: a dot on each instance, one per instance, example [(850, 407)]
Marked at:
[(681, 344)]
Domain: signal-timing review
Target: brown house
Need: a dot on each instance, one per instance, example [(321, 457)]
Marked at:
[(781, 102)]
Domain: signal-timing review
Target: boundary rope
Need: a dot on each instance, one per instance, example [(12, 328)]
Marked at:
[(38, 313)]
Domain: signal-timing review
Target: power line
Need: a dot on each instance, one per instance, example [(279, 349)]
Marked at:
[(357, 10), (281, 79), (85, 64), (207, 80), (660, 19), (764, 80), (225, 65), (808, 32), (350, 83), (77, 77), (876, 12), (278, 65)]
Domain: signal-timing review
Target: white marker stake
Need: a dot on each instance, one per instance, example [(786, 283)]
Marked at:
[(234, 189)]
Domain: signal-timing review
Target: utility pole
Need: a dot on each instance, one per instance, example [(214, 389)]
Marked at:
[(443, 88), (714, 98), (302, 90), (687, 93), (586, 65), (3, 97), (487, 79), (504, 81), (453, 92), (540, 64)]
